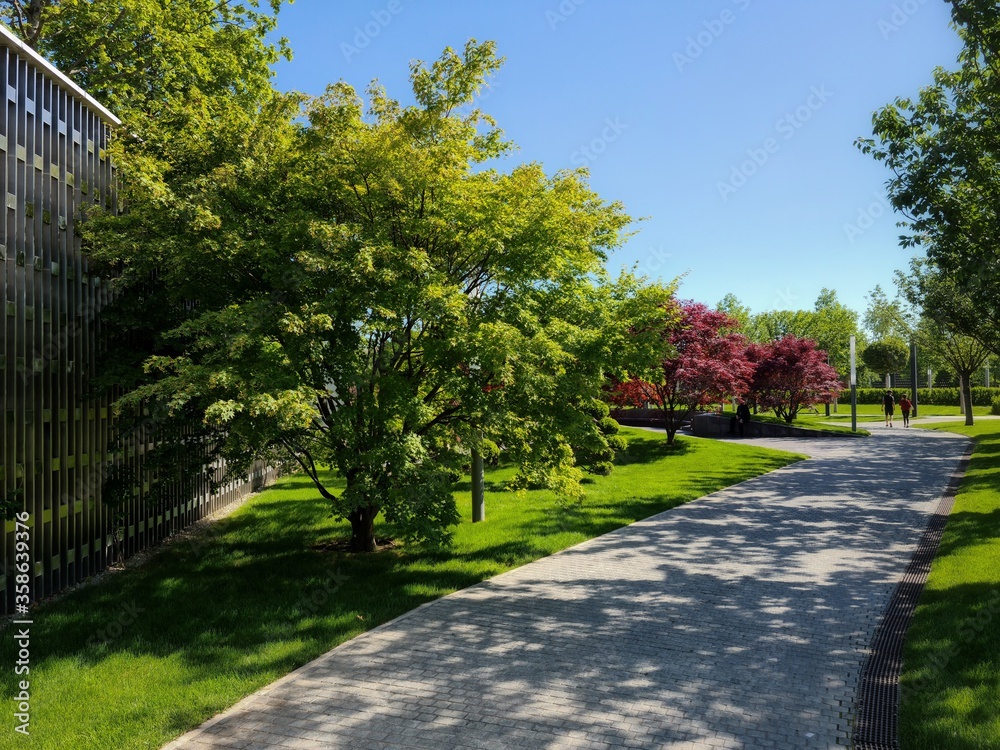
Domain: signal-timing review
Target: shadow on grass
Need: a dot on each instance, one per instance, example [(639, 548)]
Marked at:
[(246, 599), (644, 450)]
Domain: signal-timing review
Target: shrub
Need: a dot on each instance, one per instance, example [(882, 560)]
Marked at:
[(603, 468), (995, 406), (608, 426)]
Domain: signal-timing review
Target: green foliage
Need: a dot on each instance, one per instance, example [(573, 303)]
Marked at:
[(11, 503), (950, 684), (952, 328), (995, 405), (830, 324), (941, 148), (490, 451), (607, 426), (370, 298), (886, 356), (887, 319)]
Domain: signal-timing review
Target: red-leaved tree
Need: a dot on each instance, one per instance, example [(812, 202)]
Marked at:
[(707, 364), (791, 373)]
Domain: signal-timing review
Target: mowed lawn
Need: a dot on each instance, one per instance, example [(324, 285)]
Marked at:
[(873, 413), (150, 653), (950, 686)]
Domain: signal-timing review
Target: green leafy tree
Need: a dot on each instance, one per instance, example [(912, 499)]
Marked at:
[(886, 357), (949, 311), (885, 318), (832, 327), (772, 325), (943, 148), (191, 82), (393, 300), (745, 321)]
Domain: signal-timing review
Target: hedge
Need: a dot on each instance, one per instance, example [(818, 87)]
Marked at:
[(928, 396)]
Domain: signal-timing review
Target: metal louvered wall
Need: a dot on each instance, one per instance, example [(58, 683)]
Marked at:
[(53, 439)]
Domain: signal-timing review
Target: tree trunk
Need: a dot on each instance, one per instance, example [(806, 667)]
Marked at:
[(967, 395), (363, 528)]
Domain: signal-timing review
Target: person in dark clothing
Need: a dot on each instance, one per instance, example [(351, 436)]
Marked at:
[(742, 416), (888, 406)]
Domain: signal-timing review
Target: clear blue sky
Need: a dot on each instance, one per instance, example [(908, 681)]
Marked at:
[(728, 124)]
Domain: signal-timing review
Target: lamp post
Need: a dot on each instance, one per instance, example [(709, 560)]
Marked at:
[(854, 389), (478, 479), (478, 483), (913, 375)]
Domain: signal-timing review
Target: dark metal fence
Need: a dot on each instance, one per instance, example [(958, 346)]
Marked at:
[(53, 439)]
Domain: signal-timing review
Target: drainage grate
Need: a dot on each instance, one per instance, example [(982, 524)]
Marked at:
[(877, 705)]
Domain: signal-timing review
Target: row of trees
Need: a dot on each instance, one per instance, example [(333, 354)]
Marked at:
[(349, 282), (340, 281), (711, 361)]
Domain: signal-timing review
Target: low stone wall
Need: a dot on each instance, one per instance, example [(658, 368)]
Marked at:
[(639, 417), (712, 425)]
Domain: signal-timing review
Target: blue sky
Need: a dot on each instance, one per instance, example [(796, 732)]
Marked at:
[(728, 124)]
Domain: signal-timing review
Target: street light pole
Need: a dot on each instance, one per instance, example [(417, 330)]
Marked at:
[(913, 375), (854, 390), (478, 482)]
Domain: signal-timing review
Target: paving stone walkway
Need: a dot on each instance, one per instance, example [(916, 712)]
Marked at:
[(737, 621)]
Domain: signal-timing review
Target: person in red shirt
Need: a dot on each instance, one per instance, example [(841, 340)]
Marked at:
[(904, 406)]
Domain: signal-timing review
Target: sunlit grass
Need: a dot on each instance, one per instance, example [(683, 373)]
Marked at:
[(873, 413), (951, 666), (146, 655)]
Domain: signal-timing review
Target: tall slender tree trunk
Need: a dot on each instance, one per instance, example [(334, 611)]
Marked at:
[(966, 385)]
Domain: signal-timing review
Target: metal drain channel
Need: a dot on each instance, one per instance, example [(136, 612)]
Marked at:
[(877, 705)]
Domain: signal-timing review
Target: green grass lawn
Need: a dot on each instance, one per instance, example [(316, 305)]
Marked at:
[(147, 654), (950, 686), (873, 413)]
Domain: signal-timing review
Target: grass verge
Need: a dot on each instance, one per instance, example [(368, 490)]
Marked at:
[(873, 413), (148, 654), (950, 686)]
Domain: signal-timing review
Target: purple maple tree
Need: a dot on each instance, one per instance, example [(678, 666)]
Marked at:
[(791, 373), (709, 364)]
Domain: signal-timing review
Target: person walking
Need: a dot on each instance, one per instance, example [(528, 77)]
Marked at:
[(888, 406), (904, 408), (742, 416)]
